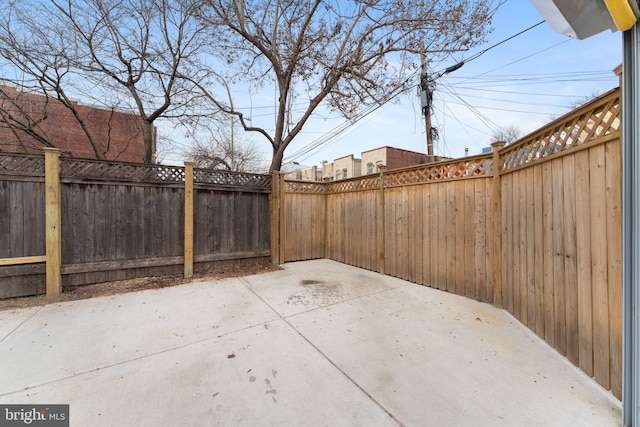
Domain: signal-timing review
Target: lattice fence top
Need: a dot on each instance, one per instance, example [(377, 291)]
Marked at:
[(111, 171), (84, 169), (250, 180), (21, 164), (461, 168), (454, 169), (89, 169), (599, 118), (368, 182), (304, 187)]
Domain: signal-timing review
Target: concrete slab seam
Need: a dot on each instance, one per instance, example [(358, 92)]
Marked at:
[(135, 359), (22, 323), (355, 383)]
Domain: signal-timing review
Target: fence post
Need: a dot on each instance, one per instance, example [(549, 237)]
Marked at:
[(53, 220), (497, 225), (188, 219), (275, 217), (381, 225), (281, 217)]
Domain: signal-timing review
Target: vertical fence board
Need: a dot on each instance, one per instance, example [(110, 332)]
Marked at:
[(570, 262), (427, 242), (523, 191), (5, 225), (529, 251), (583, 263), (402, 211), (493, 255), (614, 261), (390, 233), (558, 258), (478, 276), (418, 241), (458, 252), (507, 243), (547, 260), (597, 199), (538, 250), (441, 266), (515, 284), (470, 224)]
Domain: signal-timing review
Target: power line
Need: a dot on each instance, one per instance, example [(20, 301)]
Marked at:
[(522, 59), (330, 137), (338, 130), (482, 52)]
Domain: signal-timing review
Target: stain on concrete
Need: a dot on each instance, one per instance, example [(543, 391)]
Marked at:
[(317, 292)]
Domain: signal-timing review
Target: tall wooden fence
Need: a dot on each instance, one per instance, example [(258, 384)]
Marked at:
[(124, 220), (537, 232)]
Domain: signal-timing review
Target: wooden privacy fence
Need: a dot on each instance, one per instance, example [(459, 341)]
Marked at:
[(94, 221), (537, 232)]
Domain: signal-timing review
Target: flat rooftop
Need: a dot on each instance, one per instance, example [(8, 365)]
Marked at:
[(317, 343)]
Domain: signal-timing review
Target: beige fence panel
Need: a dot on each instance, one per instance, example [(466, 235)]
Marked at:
[(562, 246), (537, 232)]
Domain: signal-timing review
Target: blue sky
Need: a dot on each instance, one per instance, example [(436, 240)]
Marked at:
[(522, 82)]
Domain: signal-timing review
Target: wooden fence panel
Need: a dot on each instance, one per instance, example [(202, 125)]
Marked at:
[(123, 220), (435, 232), (306, 227), (22, 229), (564, 280), (110, 222), (545, 214)]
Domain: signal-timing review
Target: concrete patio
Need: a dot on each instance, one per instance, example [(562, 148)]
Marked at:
[(318, 343)]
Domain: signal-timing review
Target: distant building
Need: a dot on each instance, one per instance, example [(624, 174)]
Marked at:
[(346, 167), (390, 158), (117, 135), (326, 173), (294, 170), (372, 161)]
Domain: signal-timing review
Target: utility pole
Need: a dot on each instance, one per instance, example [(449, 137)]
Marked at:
[(426, 98)]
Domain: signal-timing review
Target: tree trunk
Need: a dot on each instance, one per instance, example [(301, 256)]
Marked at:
[(149, 135), (276, 162)]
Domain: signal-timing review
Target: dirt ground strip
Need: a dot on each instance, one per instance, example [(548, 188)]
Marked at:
[(133, 285)]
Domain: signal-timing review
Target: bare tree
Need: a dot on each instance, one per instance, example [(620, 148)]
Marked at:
[(348, 55), (28, 46), (130, 53), (225, 151), (576, 103), (508, 134), (23, 118)]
